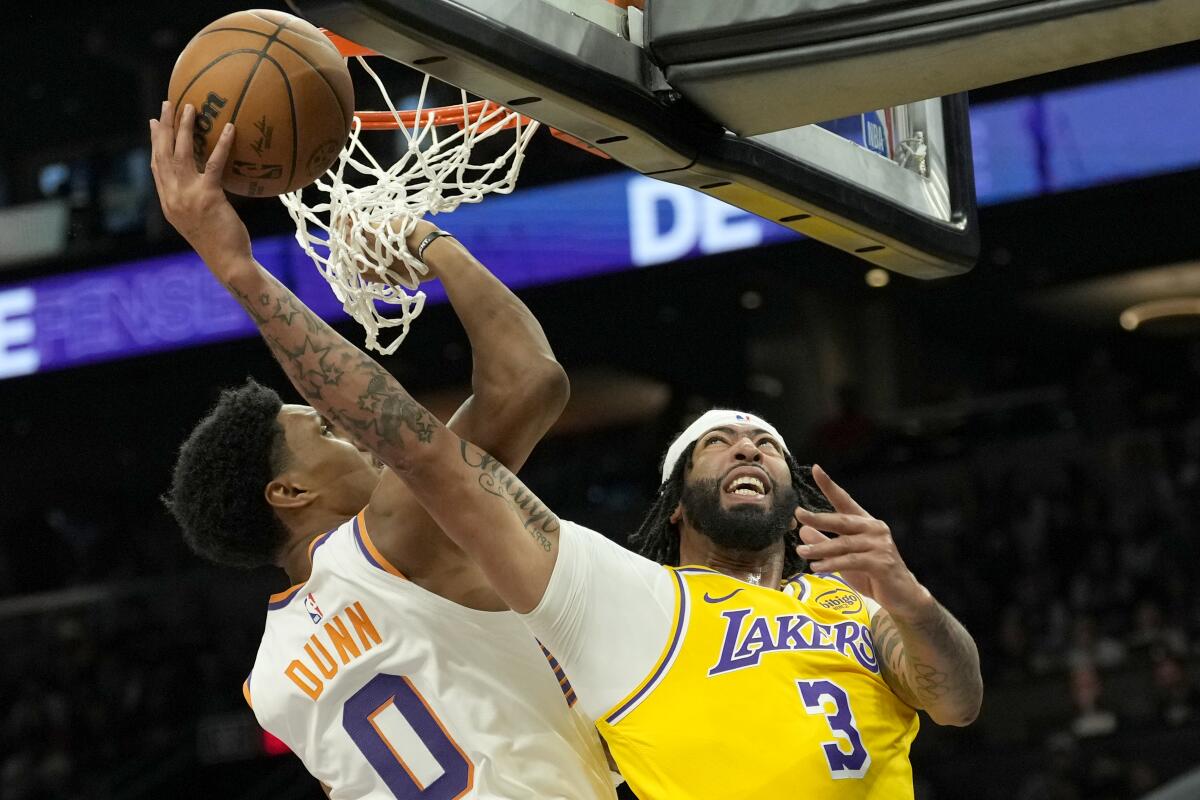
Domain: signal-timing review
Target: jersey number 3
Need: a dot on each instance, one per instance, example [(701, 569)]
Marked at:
[(404, 741), (817, 695)]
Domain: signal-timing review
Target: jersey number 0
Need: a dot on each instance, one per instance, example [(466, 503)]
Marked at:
[(404, 741)]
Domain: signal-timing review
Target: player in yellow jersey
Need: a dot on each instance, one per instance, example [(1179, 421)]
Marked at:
[(715, 679), (719, 678), (820, 644)]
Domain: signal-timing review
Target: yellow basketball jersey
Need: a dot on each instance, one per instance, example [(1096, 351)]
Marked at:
[(764, 693)]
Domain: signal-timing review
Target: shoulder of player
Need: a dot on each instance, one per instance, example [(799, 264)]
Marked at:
[(616, 564), (822, 581), (323, 556), (357, 545), (596, 541), (329, 555), (610, 554), (297, 642)]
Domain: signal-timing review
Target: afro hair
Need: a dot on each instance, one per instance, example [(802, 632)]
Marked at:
[(220, 476)]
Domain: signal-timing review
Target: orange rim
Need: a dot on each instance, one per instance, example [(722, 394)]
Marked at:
[(575, 141), (459, 115), (346, 47)]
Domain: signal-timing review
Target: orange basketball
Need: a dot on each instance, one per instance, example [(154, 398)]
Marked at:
[(284, 86)]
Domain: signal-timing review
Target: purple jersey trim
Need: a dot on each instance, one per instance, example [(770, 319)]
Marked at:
[(281, 600), (362, 547)]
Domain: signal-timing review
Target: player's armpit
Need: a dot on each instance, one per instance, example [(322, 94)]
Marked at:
[(401, 528), (618, 778), (325, 788)]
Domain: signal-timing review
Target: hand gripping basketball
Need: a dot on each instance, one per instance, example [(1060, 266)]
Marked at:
[(282, 83), (194, 202)]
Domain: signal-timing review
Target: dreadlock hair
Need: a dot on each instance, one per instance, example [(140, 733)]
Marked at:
[(223, 467), (657, 538)]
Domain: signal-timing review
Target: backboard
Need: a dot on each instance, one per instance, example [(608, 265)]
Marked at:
[(893, 186)]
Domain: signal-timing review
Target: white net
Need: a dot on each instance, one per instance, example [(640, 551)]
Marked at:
[(355, 232)]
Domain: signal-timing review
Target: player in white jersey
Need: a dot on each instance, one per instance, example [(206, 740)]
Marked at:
[(390, 667), (385, 689)]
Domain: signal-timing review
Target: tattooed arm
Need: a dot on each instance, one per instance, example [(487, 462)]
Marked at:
[(518, 391), (925, 655), (338, 379), (472, 497), (476, 500), (930, 661), (518, 387)]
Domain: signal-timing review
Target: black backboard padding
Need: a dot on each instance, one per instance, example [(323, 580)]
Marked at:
[(879, 54), (668, 118), (612, 98), (680, 31)]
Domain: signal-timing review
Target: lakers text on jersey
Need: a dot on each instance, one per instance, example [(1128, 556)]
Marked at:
[(764, 693)]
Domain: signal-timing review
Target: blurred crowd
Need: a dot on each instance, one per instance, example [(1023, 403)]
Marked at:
[(1072, 560), (101, 697), (1070, 554)]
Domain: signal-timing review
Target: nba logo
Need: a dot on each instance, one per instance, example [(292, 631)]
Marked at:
[(310, 605), (877, 133)]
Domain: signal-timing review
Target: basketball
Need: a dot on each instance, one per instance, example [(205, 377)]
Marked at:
[(284, 86)]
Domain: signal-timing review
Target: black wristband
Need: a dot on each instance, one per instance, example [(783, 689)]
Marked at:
[(428, 240)]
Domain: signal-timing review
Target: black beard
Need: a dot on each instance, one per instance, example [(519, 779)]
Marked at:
[(743, 527)]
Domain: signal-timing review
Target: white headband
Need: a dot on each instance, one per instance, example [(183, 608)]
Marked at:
[(712, 419)]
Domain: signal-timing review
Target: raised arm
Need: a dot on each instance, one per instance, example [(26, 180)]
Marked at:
[(926, 656), (518, 391), (518, 388), (472, 497)]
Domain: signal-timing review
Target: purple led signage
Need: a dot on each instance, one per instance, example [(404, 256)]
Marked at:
[(552, 234), (1068, 139)]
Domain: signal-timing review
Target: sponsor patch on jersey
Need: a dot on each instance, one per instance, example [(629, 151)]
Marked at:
[(842, 600), (314, 611)]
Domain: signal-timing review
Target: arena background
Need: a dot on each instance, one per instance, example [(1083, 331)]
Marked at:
[(1039, 465)]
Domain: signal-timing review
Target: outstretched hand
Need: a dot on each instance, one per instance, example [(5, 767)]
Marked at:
[(193, 201), (863, 552)]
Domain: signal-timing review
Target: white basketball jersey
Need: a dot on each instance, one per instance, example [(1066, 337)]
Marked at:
[(385, 690)]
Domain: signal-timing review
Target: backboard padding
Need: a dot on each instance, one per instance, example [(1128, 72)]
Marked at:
[(576, 76)]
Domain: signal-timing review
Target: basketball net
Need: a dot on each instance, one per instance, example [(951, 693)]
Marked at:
[(355, 233)]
